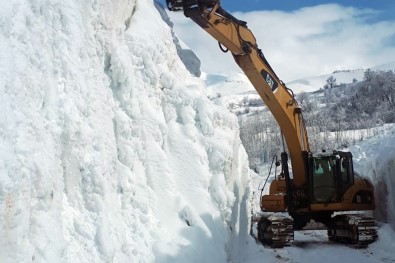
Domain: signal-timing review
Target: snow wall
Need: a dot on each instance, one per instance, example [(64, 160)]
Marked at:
[(375, 159), (110, 150)]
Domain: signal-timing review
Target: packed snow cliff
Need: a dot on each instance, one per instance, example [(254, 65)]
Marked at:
[(110, 149), (375, 159)]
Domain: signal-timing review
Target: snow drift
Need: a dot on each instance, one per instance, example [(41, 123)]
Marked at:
[(110, 150), (375, 158)]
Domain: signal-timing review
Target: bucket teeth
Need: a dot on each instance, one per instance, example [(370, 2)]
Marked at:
[(180, 5)]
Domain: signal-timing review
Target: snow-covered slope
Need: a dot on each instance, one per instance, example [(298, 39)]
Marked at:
[(385, 67), (110, 150), (314, 83), (238, 83), (227, 85)]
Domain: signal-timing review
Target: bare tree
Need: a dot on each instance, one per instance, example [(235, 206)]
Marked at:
[(331, 82), (302, 96)]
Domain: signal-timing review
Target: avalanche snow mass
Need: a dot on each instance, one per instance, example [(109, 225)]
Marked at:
[(110, 149)]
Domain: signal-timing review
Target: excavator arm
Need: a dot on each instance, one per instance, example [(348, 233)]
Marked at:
[(234, 35)]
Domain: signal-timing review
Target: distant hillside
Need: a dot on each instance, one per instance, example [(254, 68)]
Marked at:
[(360, 104), (238, 83), (313, 83), (385, 67)]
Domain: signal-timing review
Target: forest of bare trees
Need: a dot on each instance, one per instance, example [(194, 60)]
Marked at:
[(335, 115)]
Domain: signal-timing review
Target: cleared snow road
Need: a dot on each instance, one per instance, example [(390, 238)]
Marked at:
[(313, 247)]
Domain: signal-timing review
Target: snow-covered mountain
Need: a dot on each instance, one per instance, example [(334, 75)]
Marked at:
[(385, 67), (238, 83), (110, 149), (313, 83), (229, 90)]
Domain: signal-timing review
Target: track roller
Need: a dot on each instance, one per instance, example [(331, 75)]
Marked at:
[(357, 230), (276, 231)]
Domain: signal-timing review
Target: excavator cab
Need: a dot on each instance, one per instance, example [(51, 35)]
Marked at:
[(330, 176), (323, 179)]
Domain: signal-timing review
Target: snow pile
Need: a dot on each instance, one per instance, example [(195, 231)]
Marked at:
[(111, 151), (375, 158)]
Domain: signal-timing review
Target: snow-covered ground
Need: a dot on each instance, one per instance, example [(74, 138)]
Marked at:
[(111, 151), (373, 158), (313, 246)]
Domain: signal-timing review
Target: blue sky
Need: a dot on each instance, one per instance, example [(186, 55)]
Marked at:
[(385, 7), (388, 6), (303, 38)]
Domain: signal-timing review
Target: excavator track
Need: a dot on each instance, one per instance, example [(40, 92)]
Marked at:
[(357, 230), (276, 231)]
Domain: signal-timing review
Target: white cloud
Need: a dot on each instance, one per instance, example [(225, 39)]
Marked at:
[(306, 42)]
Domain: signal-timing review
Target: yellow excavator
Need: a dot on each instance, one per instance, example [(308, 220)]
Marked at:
[(316, 186)]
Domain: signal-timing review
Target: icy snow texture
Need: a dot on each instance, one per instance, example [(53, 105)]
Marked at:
[(375, 158), (110, 150)]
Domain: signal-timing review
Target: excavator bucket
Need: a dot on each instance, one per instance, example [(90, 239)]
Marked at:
[(175, 5), (180, 5)]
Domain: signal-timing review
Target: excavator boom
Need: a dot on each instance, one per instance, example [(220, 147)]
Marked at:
[(234, 35)]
